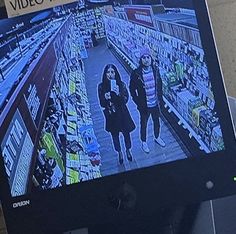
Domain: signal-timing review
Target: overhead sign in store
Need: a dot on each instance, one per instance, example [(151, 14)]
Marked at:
[(21, 7), (140, 15)]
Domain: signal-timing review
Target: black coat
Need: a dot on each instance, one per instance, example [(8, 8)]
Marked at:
[(138, 92), (117, 116)]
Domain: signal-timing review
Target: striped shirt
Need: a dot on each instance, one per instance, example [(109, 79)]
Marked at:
[(150, 88)]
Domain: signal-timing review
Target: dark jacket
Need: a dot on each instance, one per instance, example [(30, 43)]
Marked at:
[(138, 92), (117, 116)]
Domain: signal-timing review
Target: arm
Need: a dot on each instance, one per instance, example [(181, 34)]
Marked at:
[(159, 89), (124, 95), (101, 95), (121, 97), (133, 87)]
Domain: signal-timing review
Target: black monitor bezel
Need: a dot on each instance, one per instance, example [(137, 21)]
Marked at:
[(176, 182)]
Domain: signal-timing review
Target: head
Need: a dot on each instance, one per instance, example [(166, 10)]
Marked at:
[(110, 72), (145, 58)]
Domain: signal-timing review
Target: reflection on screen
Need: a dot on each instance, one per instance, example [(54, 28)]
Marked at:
[(88, 91)]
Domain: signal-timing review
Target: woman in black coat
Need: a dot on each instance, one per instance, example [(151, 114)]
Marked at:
[(113, 97)]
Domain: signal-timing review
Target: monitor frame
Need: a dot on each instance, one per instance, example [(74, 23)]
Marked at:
[(176, 183)]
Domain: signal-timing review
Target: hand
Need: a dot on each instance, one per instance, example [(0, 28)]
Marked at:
[(107, 95), (116, 90), (162, 105)]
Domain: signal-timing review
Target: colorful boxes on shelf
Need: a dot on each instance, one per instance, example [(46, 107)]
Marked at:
[(194, 103), (196, 117), (171, 79), (203, 119), (217, 142), (206, 124), (72, 176), (183, 99), (173, 93)]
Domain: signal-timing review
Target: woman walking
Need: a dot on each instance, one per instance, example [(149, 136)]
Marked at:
[(113, 97)]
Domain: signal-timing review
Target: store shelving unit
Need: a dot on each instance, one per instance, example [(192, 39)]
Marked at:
[(88, 21), (68, 124)]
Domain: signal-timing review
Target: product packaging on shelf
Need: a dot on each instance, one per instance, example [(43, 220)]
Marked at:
[(178, 52)]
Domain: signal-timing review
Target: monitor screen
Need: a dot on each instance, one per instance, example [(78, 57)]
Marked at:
[(83, 93), (89, 90)]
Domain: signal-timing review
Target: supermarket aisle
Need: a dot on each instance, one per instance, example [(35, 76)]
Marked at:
[(98, 57)]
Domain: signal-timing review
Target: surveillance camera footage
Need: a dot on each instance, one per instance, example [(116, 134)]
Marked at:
[(97, 88)]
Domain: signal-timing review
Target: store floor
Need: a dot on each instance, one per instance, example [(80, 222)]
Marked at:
[(98, 57)]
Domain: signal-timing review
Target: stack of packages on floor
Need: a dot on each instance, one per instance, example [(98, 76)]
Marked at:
[(68, 150), (186, 85)]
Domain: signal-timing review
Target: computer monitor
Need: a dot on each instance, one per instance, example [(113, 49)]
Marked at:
[(110, 110)]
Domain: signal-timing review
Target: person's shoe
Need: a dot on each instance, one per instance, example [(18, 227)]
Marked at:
[(129, 155), (120, 155), (160, 141), (145, 147)]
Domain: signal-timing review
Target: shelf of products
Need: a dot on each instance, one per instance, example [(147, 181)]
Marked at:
[(187, 87), (187, 34), (90, 21), (68, 152)]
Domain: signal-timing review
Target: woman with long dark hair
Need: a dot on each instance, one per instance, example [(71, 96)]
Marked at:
[(113, 97)]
